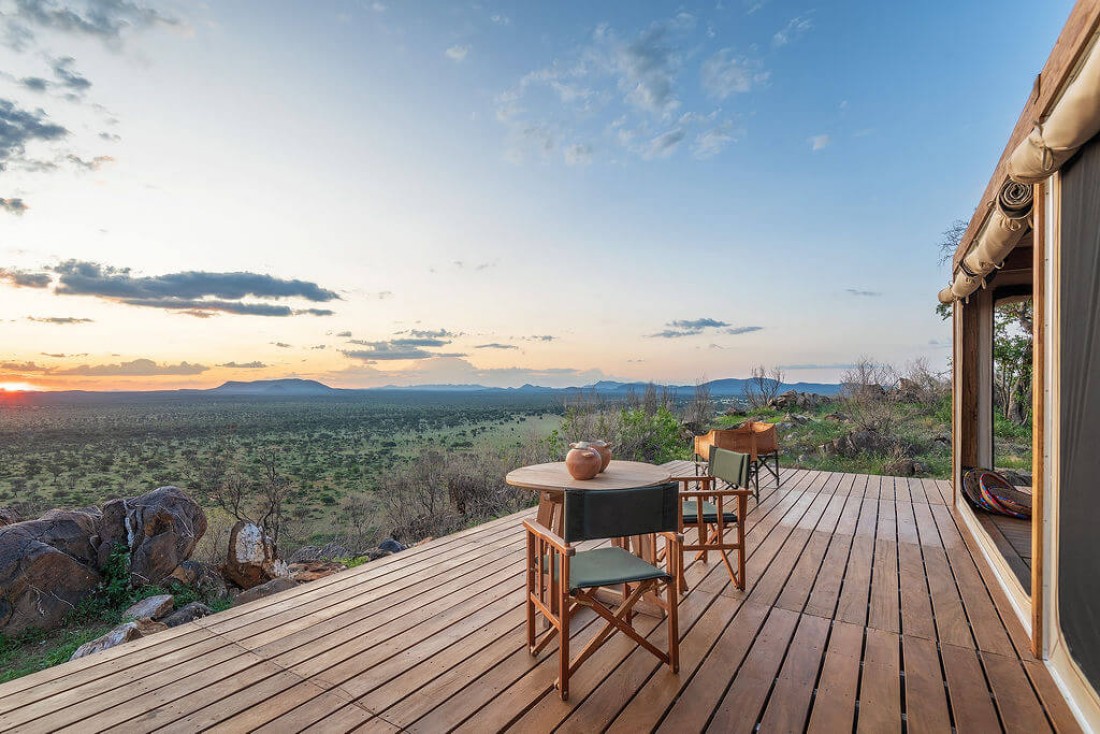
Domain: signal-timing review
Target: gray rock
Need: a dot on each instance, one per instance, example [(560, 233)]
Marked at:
[(252, 558), (154, 607), (159, 528), (274, 586), (187, 613), (125, 632), (47, 566), (391, 546), (202, 577)]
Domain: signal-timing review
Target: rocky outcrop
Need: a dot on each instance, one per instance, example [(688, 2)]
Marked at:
[(187, 613), (252, 559), (306, 571), (46, 567), (160, 530), (903, 468), (273, 586), (202, 577), (794, 400), (857, 443), (153, 607), (125, 632)]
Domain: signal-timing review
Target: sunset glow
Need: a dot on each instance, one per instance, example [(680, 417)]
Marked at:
[(398, 193)]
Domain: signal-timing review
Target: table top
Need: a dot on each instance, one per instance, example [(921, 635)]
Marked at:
[(618, 475)]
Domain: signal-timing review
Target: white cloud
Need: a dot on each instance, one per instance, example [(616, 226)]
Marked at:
[(710, 143), (457, 53), (578, 154), (819, 142), (724, 74), (796, 27)]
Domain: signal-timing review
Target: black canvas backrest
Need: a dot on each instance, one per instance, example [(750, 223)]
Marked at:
[(614, 513), (729, 466)]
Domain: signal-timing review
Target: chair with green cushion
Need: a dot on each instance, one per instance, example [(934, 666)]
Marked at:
[(707, 509), (561, 578)]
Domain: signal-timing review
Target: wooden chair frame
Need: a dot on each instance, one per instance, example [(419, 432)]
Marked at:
[(712, 536), (757, 439), (548, 593)]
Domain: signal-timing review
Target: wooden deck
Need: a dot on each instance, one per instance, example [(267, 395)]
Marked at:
[(1013, 539), (865, 610)]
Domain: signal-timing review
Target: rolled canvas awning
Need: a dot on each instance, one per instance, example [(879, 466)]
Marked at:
[(1074, 121), (1003, 229)]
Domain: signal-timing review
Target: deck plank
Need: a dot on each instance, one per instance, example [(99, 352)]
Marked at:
[(866, 606)]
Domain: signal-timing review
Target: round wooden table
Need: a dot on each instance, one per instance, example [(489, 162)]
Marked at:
[(551, 480)]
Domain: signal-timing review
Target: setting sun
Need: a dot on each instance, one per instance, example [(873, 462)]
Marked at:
[(17, 387)]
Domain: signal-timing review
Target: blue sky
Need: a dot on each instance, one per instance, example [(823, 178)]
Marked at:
[(381, 192)]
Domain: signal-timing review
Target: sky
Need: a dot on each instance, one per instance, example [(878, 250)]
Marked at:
[(376, 193)]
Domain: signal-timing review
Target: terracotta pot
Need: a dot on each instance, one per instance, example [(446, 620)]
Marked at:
[(605, 452), (582, 461)]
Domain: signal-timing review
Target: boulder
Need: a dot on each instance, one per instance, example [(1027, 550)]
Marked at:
[(305, 571), (838, 417), (153, 607), (252, 559), (901, 468), (8, 516), (47, 566), (273, 586), (390, 545), (202, 577), (160, 530), (187, 613), (125, 632)]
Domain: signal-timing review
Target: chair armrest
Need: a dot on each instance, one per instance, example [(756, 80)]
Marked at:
[(672, 537), (541, 531), (701, 478), (720, 493)]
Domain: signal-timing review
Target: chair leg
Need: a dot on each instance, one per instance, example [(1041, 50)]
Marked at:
[(673, 628), (563, 652)]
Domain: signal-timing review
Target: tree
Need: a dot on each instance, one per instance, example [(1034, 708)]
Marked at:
[(1012, 360), (865, 393), (763, 386), (948, 244)]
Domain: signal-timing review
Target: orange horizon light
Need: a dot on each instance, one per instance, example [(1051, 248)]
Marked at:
[(18, 387)]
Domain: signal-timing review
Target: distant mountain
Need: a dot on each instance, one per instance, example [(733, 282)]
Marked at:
[(292, 387), (288, 386)]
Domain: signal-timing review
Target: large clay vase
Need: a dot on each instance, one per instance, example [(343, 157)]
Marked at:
[(583, 461), (605, 453)]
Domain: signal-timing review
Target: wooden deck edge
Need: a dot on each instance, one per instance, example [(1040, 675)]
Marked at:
[(976, 535)]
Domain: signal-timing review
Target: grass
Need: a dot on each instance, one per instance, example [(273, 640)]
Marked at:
[(924, 427)]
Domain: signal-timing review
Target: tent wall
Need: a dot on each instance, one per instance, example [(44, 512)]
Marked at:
[(1079, 412)]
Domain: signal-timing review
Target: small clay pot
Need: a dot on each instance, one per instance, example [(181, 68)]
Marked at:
[(605, 452), (583, 461)]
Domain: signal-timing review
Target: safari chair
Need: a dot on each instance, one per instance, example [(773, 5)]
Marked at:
[(765, 453), (561, 578), (757, 439), (707, 509)]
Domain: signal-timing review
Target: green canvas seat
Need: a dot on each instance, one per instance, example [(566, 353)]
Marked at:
[(710, 513), (609, 567)]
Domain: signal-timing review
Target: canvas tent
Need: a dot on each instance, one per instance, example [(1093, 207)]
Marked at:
[(1036, 235)]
